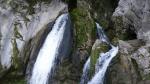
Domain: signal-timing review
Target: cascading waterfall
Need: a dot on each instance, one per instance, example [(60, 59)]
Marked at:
[(102, 64), (18, 26), (49, 52), (101, 34), (104, 58), (85, 75)]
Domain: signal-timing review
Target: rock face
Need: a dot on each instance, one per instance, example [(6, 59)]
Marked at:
[(123, 69), (131, 66), (22, 30), (97, 48), (24, 24), (131, 23), (136, 16)]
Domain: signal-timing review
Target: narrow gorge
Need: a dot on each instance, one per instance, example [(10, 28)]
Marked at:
[(74, 41)]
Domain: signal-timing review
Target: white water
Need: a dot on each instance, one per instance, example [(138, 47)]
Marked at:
[(101, 34), (104, 59), (48, 52), (85, 75), (28, 25), (102, 64)]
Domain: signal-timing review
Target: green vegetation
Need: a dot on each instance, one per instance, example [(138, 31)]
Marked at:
[(95, 55), (15, 58), (13, 80), (102, 11), (84, 27), (84, 31)]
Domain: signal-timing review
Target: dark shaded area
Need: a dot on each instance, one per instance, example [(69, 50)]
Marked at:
[(101, 11), (13, 76), (130, 33), (71, 4), (104, 9)]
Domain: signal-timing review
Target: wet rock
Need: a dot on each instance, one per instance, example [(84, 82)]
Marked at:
[(135, 16), (123, 70), (98, 47), (20, 31), (131, 65), (132, 25), (142, 57)]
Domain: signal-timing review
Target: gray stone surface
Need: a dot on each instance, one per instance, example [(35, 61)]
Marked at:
[(137, 14), (18, 29)]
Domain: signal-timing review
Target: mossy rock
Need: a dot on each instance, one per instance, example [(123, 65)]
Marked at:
[(16, 63), (10, 79), (115, 41), (95, 54), (118, 24), (84, 26), (123, 31)]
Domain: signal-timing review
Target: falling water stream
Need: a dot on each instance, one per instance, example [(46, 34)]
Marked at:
[(85, 75), (102, 62), (49, 52)]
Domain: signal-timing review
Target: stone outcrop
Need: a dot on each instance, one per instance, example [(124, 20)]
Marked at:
[(22, 32), (25, 24), (135, 15), (131, 24)]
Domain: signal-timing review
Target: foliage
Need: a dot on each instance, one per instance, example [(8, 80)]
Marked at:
[(13, 80), (84, 27), (95, 53)]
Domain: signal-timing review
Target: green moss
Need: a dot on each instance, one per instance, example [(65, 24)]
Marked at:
[(15, 55), (115, 41), (13, 80), (84, 31), (95, 53), (94, 57), (102, 11), (84, 27), (104, 23), (146, 77), (15, 59), (120, 31)]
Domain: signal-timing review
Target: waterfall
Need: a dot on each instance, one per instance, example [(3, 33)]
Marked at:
[(103, 60), (85, 75), (101, 34), (102, 64), (49, 52)]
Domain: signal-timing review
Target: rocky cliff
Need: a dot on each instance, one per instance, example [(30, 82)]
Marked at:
[(131, 21), (24, 25), (126, 23), (23, 28)]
